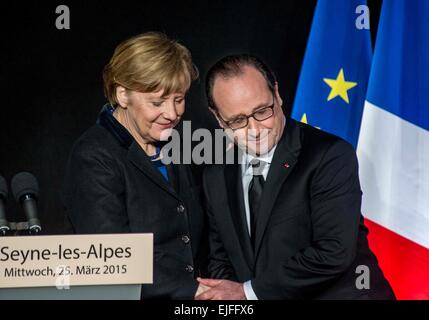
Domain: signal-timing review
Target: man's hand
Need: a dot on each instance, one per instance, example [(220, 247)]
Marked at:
[(221, 290), (201, 289)]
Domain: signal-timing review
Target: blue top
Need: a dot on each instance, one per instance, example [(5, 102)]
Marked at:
[(158, 163)]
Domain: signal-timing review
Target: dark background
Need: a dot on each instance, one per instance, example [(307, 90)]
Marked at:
[(51, 79)]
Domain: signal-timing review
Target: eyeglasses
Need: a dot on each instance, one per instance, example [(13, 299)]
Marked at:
[(242, 120)]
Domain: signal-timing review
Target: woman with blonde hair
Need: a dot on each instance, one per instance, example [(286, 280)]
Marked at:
[(116, 181)]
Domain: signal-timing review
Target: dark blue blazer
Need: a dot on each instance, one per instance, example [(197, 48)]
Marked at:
[(111, 186)]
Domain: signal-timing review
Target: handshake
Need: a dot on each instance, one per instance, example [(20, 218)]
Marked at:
[(217, 289)]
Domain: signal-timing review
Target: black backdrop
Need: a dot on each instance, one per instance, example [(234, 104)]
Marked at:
[(51, 79)]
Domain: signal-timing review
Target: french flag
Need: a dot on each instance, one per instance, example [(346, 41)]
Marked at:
[(393, 148)]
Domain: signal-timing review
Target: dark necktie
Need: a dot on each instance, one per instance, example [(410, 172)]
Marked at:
[(255, 192)]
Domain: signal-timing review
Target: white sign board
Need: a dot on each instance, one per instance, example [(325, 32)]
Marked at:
[(76, 260)]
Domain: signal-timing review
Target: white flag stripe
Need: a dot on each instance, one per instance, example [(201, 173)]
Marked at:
[(393, 168)]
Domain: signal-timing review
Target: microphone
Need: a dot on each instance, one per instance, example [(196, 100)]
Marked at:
[(25, 189), (4, 225)]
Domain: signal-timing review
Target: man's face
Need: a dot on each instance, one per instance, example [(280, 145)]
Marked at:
[(244, 95)]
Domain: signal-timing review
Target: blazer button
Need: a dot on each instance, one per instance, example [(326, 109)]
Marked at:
[(189, 268), (186, 239), (180, 208)]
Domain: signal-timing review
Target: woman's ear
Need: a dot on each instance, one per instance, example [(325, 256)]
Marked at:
[(122, 96)]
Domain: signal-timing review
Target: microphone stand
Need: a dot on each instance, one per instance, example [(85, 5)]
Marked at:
[(20, 229)]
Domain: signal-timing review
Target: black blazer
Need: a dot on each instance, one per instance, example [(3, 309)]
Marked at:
[(111, 186), (310, 235)]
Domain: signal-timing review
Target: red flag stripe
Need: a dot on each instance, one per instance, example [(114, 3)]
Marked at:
[(404, 263)]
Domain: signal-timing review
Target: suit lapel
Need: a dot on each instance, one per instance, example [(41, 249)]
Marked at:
[(234, 187), (141, 161), (284, 160), (135, 154), (174, 176)]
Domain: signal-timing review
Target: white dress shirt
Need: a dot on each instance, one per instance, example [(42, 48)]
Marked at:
[(247, 176)]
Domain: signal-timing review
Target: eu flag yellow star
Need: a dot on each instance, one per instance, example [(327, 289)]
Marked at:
[(339, 86), (304, 120)]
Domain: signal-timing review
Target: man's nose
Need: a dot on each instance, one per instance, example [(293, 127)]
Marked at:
[(253, 127)]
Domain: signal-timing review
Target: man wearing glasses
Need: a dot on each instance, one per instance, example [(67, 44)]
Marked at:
[(285, 222)]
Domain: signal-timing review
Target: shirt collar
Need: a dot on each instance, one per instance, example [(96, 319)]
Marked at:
[(109, 122), (267, 157)]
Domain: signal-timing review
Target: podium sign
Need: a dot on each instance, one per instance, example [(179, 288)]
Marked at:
[(76, 260)]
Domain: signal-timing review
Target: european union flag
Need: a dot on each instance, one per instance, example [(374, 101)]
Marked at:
[(334, 75)]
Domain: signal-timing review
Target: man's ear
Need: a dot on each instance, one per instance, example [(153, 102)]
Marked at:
[(221, 124), (276, 94), (122, 97)]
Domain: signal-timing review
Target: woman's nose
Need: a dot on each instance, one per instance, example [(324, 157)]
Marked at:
[(170, 111)]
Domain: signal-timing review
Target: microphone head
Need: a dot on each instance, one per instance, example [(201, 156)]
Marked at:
[(3, 188), (24, 183)]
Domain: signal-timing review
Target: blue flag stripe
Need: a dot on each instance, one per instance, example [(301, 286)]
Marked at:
[(399, 81)]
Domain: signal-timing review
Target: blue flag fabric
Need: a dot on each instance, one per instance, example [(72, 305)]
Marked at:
[(333, 81), (400, 72)]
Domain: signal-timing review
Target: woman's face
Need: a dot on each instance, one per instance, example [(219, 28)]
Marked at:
[(150, 115)]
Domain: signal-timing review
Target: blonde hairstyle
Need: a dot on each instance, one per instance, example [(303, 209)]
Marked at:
[(149, 62)]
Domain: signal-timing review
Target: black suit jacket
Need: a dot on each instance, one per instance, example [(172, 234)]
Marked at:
[(111, 186), (310, 235)]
